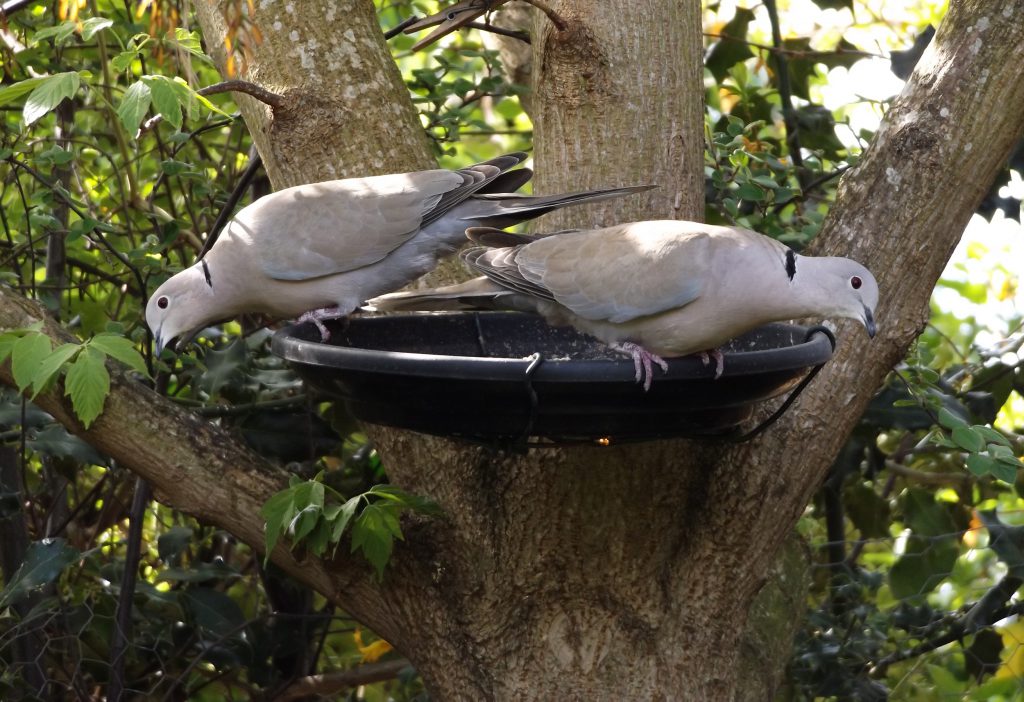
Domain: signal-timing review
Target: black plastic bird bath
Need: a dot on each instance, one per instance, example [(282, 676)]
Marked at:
[(497, 376)]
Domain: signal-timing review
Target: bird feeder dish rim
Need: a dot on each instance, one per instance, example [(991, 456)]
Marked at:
[(532, 377)]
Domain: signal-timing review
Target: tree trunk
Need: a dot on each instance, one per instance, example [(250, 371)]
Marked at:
[(347, 111), (620, 572), (619, 100)]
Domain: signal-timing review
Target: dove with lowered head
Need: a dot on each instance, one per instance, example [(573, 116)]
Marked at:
[(322, 249), (654, 289)]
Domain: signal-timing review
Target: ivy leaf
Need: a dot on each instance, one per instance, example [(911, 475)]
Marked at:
[(121, 348), (727, 52), (51, 365), (93, 25), (26, 356), (88, 383), (48, 94), (44, 562), (134, 106)]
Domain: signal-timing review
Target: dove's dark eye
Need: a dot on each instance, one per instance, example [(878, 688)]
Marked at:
[(856, 282), (163, 302), (451, 15)]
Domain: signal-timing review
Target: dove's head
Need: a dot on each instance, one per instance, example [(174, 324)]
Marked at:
[(849, 290), (183, 305)]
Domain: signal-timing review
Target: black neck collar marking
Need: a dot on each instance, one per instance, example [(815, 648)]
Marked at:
[(790, 263), (206, 273)]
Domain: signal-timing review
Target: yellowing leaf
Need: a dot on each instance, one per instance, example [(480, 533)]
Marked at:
[(373, 651)]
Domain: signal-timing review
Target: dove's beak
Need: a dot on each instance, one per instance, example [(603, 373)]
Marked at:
[(158, 342), (869, 323)]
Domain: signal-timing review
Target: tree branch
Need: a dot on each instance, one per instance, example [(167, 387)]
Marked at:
[(331, 683), (198, 468)]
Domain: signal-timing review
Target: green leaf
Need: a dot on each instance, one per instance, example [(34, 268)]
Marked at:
[(48, 94), (923, 566), (749, 191), (134, 106), (26, 356), (44, 562), (950, 420), (121, 348), (213, 611), (727, 52), (93, 25), (173, 542), (87, 384), (60, 33), (1004, 472), (54, 440), (123, 60), (968, 439), (991, 435), (7, 342), (304, 522), (10, 93), (278, 512), (979, 465), (373, 533), (344, 516), (51, 365), (165, 99)]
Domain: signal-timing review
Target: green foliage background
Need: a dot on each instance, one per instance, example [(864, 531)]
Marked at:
[(113, 170)]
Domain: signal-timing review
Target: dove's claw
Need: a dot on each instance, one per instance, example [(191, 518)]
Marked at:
[(318, 316), (706, 356), (642, 359)]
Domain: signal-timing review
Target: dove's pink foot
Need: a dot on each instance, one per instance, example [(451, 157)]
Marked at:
[(642, 359), (706, 356), (318, 316)]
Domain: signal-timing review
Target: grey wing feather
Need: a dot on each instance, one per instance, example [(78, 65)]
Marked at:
[(616, 275), (336, 226)]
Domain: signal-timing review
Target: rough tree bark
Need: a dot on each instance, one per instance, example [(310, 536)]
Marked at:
[(346, 111), (624, 572)]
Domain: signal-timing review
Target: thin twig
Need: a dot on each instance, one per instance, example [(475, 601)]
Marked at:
[(797, 53), (493, 29), (244, 86), (555, 18), (330, 683)]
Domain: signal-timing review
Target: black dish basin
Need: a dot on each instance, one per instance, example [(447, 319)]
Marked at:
[(475, 375)]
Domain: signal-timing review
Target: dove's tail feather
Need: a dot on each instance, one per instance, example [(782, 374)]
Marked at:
[(476, 178), (476, 294), (499, 238), (502, 210), (507, 182)]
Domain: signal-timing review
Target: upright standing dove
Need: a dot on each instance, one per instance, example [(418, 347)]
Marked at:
[(653, 289), (325, 248)]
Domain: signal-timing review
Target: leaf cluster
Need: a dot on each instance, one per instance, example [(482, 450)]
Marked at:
[(316, 517)]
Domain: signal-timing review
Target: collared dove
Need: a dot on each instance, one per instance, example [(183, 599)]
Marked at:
[(653, 289), (323, 249)]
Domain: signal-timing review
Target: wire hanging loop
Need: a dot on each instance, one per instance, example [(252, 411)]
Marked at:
[(535, 362), (817, 329)]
